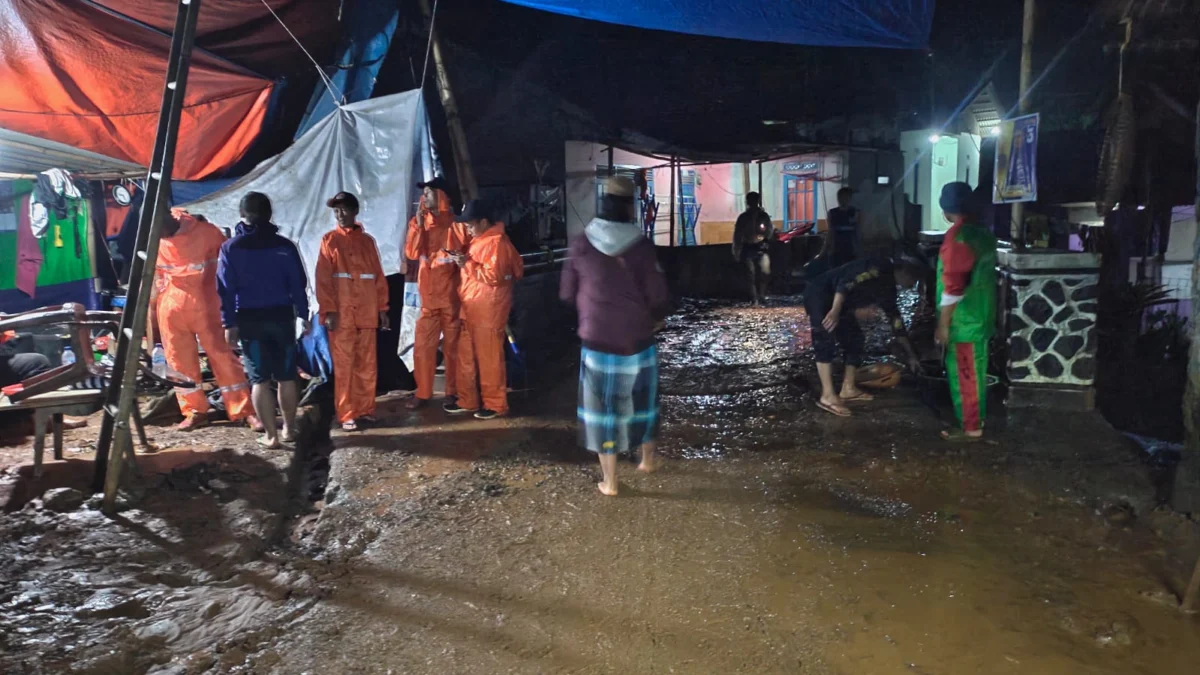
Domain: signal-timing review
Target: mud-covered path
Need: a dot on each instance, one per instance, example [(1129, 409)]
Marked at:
[(776, 540)]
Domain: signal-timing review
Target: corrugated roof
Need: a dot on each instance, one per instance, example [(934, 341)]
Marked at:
[(22, 155)]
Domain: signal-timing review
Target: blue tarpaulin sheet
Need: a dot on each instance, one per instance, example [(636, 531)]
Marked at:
[(901, 24)]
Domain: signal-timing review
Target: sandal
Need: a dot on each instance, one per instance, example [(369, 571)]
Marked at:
[(959, 436), (268, 444), (861, 396), (838, 410), (350, 426)]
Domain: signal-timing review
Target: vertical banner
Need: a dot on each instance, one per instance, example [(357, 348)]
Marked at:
[(1016, 161)]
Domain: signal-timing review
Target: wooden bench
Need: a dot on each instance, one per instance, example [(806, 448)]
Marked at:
[(48, 410)]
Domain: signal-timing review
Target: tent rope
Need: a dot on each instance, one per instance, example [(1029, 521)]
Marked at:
[(339, 99), (429, 44)]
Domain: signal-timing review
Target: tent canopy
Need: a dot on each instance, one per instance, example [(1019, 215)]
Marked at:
[(902, 24), (22, 155), (89, 73)]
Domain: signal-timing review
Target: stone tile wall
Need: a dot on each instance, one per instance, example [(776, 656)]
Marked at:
[(1052, 328)]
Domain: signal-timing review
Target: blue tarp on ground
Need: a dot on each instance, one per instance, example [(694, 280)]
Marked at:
[(902, 24)]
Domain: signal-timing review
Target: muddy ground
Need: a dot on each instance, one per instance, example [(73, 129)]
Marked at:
[(777, 539)]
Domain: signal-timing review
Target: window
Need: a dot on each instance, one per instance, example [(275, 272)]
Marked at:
[(799, 202)]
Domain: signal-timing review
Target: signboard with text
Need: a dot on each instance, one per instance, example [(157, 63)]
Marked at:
[(1016, 161), (801, 167)]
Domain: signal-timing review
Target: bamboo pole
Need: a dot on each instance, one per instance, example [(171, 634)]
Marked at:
[(458, 138)]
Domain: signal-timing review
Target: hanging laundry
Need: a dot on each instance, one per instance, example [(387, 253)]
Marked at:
[(29, 252)]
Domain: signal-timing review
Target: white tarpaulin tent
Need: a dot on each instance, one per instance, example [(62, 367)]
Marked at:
[(376, 149)]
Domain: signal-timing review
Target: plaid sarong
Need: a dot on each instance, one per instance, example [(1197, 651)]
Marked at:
[(618, 400)]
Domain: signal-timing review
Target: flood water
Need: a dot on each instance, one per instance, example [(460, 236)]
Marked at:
[(776, 540)]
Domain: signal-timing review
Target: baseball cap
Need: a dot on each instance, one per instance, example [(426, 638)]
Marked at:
[(343, 198), (475, 209)]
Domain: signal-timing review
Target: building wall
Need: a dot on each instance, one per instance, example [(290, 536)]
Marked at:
[(721, 189)]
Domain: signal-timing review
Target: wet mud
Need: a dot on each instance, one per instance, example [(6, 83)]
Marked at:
[(776, 539)]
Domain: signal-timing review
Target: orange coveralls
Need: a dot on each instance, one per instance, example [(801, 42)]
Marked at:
[(350, 282), (437, 282), (188, 308), (485, 286)]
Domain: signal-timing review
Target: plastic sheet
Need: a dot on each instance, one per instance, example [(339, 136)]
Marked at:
[(376, 149), (900, 24)]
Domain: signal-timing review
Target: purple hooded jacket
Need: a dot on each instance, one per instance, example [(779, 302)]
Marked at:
[(613, 278)]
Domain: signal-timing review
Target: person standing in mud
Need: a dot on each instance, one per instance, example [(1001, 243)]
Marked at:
[(830, 301), (353, 297), (966, 287), (187, 307), (264, 289), (613, 279), (751, 245), (431, 233), (842, 241), (488, 269)]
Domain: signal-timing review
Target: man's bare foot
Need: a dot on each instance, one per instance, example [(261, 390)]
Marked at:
[(649, 464), (606, 489), (833, 406), (855, 394)]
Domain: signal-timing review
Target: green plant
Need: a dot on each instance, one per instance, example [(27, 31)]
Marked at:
[(1165, 337)]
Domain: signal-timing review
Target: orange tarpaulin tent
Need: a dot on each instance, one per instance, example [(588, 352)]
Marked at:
[(90, 74)]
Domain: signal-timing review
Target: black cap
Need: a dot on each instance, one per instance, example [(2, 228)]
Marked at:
[(343, 199), (438, 183), (476, 209)]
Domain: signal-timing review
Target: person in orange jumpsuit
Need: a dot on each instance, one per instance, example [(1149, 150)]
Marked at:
[(488, 269), (353, 298), (188, 308), (430, 233)]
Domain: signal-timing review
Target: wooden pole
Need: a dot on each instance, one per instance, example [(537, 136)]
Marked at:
[(1185, 496), (1018, 209), (745, 180), (672, 209), (121, 397), (458, 138), (681, 215)]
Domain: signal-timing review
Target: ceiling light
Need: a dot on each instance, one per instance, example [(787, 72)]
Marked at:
[(1141, 207), (995, 130), (772, 123), (935, 137)]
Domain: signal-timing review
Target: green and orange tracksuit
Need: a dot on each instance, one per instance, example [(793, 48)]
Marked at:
[(967, 279)]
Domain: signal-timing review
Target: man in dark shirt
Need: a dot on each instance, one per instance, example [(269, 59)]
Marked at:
[(830, 301), (841, 242), (751, 240)]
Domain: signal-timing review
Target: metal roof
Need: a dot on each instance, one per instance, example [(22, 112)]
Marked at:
[(24, 156)]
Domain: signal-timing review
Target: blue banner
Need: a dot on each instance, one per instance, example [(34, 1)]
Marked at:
[(1016, 161), (900, 24)]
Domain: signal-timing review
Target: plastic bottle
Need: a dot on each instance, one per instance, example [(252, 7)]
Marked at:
[(68, 356), (158, 360)]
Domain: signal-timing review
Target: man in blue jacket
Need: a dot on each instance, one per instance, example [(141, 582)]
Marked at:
[(264, 288)]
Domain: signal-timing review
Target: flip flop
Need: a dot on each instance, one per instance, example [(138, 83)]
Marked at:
[(862, 396), (268, 445), (833, 410), (959, 436)]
